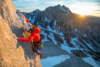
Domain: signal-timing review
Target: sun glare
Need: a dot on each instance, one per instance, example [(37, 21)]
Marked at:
[(83, 8), (84, 11)]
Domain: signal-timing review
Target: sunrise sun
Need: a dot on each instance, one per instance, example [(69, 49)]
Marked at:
[(83, 8), (84, 11)]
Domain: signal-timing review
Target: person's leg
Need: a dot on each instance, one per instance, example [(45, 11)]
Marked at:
[(38, 52), (35, 49)]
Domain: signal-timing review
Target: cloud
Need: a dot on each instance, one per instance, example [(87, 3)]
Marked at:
[(28, 0), (55, 2), (98, 4), (96, 14), (25, 1), (83, 4), (86, 8), (98, 10), (14, 0), (86, 0), (73, 5), (21, 6)]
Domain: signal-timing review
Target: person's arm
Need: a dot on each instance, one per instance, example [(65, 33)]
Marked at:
[(30, 38)]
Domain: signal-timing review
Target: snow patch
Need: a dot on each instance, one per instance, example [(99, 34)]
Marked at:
[(46, 19), (62, 8), (40, 27), (76, 30), (59, 27), (68, 11), (32, 21), (29, 18), (66, 47), (49, 28), (61, 34), (91, 61), (54, 24), (73, 41), (31, 13), (89, 45), (85, 35), (96, 42), (66, 14), (54, 31), (51, 36), (52, 61), (45, 36)]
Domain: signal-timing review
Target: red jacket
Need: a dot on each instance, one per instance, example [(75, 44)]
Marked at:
[(35, 36)]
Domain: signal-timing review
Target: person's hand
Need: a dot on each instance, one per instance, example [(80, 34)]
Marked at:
[(41, 40), (15, 36)]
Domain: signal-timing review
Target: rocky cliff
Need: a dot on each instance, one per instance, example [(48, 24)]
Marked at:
[(12, 52)]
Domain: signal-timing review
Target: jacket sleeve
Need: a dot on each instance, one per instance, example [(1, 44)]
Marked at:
[(30, 38)]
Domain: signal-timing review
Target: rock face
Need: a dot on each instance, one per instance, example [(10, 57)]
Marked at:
[(61, 26), (12, 52)]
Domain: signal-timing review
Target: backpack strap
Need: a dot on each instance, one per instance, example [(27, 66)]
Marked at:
[(38, 41)]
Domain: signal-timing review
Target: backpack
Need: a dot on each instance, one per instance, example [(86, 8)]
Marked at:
[(39, 44)]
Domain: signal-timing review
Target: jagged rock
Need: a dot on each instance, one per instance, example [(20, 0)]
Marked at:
[(79, 53), (58, 38), (57, 12), (12, 52)]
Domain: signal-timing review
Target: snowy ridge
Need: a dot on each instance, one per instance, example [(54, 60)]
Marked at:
[(46, 19), (62, 8), (52, 61), (64, 45), (33, 19), (66, 48), (54, 24), (70, 38), (91, 61)]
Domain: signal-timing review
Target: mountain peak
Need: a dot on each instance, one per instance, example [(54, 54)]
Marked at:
[(37, 10), (58, 8)]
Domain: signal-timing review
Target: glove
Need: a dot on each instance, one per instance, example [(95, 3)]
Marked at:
[(15, 36)]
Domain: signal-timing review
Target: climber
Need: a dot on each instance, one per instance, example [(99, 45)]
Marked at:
[(35, 36)]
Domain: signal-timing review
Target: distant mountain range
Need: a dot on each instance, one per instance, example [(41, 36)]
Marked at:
[(61, 26)]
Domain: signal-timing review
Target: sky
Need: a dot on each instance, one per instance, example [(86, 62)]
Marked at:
[(83, 7)]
